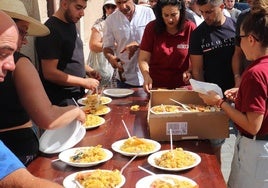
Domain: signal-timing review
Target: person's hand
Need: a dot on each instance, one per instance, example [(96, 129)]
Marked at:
[(81, 115), (231, 94), (147, 84), (211, 98), (186, 76), (95, 74), (91, 83), (131, 49)]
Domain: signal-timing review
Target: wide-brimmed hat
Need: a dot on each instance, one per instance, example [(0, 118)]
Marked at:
[(106, 2), (16, 9)]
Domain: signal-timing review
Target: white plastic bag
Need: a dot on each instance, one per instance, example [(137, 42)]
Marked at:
[(99, 63)]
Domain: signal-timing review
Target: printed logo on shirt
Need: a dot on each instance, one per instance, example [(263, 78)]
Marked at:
[(183, 46), (212, 45)]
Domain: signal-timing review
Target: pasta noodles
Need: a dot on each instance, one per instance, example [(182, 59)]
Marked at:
[(92, 120), (134, 145), (99, 178), (158, 183), (91, 154), (176, 158)]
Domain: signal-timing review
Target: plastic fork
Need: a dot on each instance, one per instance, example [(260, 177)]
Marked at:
[(161, 178), (124, 167), (184, 106)]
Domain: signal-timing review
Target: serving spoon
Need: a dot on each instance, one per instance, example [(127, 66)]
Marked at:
[(184, 106)]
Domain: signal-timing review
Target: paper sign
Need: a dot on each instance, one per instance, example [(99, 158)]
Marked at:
[(204, 87)]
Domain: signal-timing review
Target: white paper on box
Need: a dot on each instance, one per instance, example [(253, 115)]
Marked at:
[(204, 87), (178, 128)]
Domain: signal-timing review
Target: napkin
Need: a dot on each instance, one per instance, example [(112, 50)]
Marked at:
[(204, 87)]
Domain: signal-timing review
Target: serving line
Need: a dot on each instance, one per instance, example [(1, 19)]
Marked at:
[(207, 174)]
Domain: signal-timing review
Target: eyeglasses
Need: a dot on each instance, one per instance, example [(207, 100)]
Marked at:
[(23, 33), (238, 38)]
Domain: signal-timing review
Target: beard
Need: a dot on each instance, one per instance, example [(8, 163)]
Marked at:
[(68, 17)]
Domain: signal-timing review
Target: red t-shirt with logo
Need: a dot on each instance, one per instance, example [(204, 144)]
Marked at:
[(169, 55)]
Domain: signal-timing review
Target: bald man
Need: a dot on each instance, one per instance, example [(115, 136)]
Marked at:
[(12, 172), (8, 44)]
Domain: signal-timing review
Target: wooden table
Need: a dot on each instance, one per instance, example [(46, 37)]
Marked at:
[(207, 174)]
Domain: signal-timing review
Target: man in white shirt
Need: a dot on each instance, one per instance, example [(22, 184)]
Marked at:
[(121, 38)]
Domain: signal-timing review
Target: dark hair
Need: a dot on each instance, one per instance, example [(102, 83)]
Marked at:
[(160, 25), (103, 13), (212, 2), (256, 24)]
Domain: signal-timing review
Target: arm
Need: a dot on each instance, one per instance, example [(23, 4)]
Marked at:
[(35, 101), (250, 121), (131, 48), (144, 59), (95, 41), (113, 60), (51, 73), (236, 65), (197, 67), (22, 178)]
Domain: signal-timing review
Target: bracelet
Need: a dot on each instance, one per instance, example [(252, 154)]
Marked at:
[(220, 102), (237, 75)]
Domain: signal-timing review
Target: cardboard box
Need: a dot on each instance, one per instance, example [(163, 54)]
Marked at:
[(185, 125)]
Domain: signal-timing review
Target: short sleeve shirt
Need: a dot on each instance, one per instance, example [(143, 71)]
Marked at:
[(253, 92), (8, 161), (63, 43), (119, 30), (216, 44), (169, 55)]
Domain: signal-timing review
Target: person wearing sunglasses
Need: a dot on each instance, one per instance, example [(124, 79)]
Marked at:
[(164, 48), (250, 161)]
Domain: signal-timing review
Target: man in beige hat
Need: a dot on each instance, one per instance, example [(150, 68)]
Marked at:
[(12, 172), (62, 66)]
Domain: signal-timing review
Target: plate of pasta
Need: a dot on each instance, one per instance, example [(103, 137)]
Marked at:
[(93, 121), (88, 100), (166, 180), (175, 160), (94, 178), (85, 156), (134, 145), (98, 111)]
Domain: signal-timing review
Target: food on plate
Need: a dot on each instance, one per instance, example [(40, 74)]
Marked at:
[(91, 154), (177, 158), (100, 110), (93, 99), (93, 120), (171, 183), (135, 108), (135, 145), (159, 109), (99, 178)]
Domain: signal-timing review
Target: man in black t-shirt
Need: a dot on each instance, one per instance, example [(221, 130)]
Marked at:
[(62, 66), (211, 48)]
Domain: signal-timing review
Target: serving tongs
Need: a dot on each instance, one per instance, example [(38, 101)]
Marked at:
[(184, 106)]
